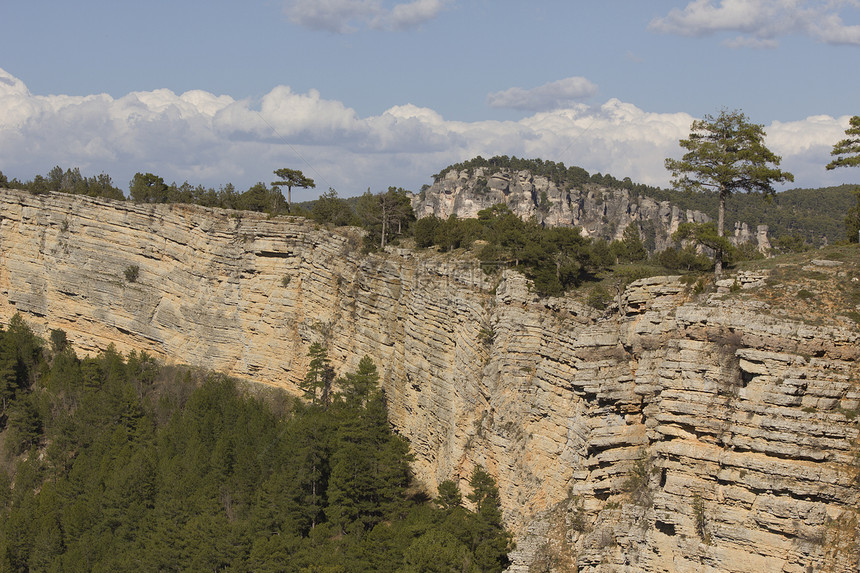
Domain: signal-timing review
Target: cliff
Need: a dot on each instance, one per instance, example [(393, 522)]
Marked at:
[(601, 212), (675, 432)]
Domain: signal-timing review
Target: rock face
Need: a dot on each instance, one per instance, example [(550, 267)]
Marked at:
[(675, 432), (599, 211)]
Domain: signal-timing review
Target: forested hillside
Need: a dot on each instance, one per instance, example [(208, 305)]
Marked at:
[(816, 216), (115, 463)]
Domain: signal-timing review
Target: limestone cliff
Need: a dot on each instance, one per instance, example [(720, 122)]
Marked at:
[(675, 432), (599, 211)]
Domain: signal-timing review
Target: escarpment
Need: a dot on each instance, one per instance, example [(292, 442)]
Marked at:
[(675, 432), (600, 211)]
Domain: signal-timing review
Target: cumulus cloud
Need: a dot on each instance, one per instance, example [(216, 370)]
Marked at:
[(211, 140), (761, 22), (549, 96), (346, 16)]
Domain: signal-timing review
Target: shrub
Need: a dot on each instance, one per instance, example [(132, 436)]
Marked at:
[(599, 297), (132, 272)]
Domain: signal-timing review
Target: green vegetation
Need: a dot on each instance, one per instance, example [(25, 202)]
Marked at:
[(384, 215), (797, 218), (699, 520), (131, 273), (331, 209), (726, 154), (554, 258), (290, 178), (115, 463), (563, 177), (557, 259), (847, 154), (69, 181), (852, 220), (847, 151)]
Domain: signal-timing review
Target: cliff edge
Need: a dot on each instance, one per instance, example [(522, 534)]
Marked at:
[(678, 431)]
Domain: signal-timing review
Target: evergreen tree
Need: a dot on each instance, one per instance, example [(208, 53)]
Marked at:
[(148, 188), (726, 154), (852, 221), (449, 496), (847, 151), (318, 380), (359, 386), (490, 542), (634, 249), (385, 215), (329, 208), (290, 178), (196, 475)]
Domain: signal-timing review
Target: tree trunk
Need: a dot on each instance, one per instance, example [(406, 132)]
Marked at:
[(721, 217), (384, 224), (289, 199)]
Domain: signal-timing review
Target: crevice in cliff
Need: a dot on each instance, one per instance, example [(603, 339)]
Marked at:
[(274, 254)]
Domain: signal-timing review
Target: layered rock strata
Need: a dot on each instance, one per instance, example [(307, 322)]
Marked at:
[(599, 211), (673, 432)]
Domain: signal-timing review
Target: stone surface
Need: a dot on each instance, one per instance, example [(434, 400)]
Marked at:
[(675, 432), (599, 211)]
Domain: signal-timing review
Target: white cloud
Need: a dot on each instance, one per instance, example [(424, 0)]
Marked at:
[(346, 16), (761, 22), (212, 140), (547, 97), (413, 14)]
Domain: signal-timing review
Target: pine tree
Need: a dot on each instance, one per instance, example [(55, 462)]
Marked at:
[(317, 382), (490, 542), (847, 151), (726, 154)]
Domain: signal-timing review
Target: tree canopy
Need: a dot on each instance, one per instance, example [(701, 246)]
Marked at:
[(726, 154), (847, 151), (292, 178), (115, 463), (385, 215)]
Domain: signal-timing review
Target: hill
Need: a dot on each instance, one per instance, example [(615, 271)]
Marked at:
[(816, 216)]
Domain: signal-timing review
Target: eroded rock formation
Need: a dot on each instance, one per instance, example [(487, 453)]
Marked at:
[(600, 212), (674, 432)]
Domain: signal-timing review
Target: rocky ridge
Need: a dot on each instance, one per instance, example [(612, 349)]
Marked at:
[(675, 432), (599, 211)]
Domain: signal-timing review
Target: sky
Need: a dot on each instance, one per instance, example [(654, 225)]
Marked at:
[(367, 94)]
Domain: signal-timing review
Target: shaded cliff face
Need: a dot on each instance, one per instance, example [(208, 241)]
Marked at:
[(676, 432), (599, 211)]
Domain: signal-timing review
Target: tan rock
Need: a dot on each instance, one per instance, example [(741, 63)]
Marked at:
[(693, 434)]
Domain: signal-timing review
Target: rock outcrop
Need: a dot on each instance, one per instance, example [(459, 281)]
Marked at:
[(601, 212), (674, 432)]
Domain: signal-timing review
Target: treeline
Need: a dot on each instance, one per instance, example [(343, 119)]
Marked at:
[(68, 181), (386, 215), (796, 218), (563, 177), (810, 217), (115, 463)]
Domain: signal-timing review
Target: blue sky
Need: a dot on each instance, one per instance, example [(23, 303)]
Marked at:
[(370, 93)]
